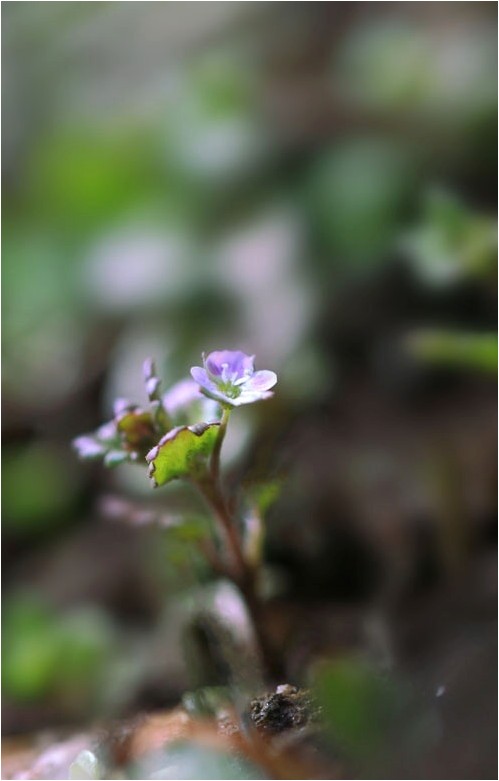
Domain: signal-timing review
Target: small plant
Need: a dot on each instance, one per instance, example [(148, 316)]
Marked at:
[(179, 435)]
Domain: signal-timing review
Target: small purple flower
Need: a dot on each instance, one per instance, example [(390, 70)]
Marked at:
[(228, 376)]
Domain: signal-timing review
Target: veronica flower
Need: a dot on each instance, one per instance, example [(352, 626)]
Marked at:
[(229, 377)]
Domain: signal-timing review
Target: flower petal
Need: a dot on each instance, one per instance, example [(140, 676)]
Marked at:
[(261, 381), (216, 395), (208, 387), (235, 363), (200, 376), (250, 397)]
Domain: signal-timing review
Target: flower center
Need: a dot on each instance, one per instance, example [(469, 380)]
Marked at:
[(229, 389)]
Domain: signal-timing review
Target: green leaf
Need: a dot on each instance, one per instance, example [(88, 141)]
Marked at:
[(183, 451), (454, 349)]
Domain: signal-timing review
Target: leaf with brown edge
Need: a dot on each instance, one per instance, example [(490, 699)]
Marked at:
[(182, 452)]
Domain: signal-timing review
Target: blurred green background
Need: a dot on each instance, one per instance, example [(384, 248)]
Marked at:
[(314, 183)]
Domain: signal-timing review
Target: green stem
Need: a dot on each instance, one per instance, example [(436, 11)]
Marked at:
[(215, 456)]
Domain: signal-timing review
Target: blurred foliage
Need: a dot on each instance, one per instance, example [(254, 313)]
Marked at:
[(475, 352), (47, 655), (214, 136), (81, 179), (443, 74), (40, 489), (374, 717), (358, 192), (265, 494), (175, 558), (452, 242)]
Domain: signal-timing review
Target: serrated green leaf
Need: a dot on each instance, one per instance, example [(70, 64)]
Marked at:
[(183, 451)]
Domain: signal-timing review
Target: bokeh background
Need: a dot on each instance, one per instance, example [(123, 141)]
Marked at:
[(314, 183)]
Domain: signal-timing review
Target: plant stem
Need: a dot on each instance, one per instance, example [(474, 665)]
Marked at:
[(215, 456), (240, 571), (268, 655), (213, 495)]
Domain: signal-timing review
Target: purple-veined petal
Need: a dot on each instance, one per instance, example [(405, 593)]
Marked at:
[(208, 387), (260, 381), (229, 364)]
